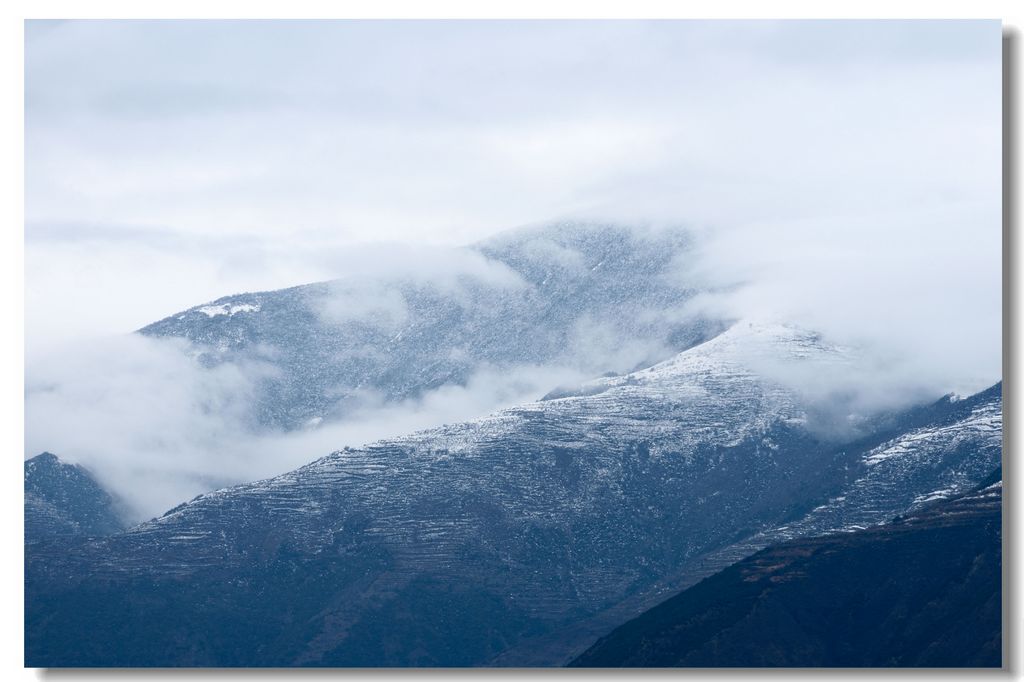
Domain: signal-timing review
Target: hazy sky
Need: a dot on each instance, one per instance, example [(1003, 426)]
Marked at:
[(171, 162)]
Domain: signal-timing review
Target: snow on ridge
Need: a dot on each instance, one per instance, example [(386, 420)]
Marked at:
[(741, 349), (688, 378), (986, 420), (939, 494), (228, 309)]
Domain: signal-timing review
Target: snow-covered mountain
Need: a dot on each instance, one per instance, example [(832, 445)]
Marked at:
[(590, 297), (514, 539)]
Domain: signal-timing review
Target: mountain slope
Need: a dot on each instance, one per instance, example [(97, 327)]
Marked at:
[(922, 591), (64, 499), (474, 542), (845, 489), (593, 298)]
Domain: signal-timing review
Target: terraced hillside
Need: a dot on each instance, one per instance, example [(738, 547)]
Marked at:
[(509, 540)]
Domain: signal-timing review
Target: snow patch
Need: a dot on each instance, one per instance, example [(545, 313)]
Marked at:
[(228, 309), (985, 421), (940, 494)]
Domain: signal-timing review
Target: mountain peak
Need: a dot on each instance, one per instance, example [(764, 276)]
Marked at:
[(44, 458), (593, 297), (64, 499)]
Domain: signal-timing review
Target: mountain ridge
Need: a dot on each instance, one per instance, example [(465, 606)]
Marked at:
[(579, 296), (612, 497), (922, 590)]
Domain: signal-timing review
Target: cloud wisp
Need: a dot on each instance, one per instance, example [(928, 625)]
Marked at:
[(158, 428)]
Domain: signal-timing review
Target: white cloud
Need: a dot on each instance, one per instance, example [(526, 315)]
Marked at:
[(157, 428), (918, 291)]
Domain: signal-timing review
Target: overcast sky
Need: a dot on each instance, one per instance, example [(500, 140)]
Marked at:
[(172, 162)]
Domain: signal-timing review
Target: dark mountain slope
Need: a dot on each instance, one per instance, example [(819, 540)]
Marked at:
[(64, 499), (924, 590), (471, 543)]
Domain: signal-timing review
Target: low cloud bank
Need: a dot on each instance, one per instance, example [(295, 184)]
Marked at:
[(157, 428), (917, 293)]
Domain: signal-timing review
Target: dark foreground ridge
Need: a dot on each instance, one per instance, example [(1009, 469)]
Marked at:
[(924, 591)]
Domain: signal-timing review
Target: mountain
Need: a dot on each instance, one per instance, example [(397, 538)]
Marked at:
[(909, 460), (591, 297), (924, 590), (515, 539), (65, 500)]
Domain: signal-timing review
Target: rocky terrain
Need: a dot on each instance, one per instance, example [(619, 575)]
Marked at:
[(515, 539)]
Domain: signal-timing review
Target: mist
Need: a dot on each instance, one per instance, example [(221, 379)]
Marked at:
[(157, 427), (841, 176), (917, 294)]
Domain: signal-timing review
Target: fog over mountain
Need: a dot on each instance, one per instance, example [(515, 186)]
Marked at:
[(253, 385), (448, 343), (513, 539), (256, 384), (799, 160)]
